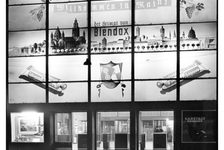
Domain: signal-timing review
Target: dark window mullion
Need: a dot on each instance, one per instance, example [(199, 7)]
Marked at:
[(47, 43), (178, 51)]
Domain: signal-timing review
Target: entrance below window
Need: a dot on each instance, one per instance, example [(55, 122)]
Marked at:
[(113, 130), (156, 130)]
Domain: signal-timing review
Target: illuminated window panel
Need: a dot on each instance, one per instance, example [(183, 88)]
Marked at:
[(12, 2), (79, 131), (113, 130), (198, 11), (67, 68), (198, 89), (117, 91), (198, 36), (71, 128), (32, 43), (111, 13), (156, 130), (68, 41), (27, 93), (161, 90), (146, 12), (63, 127), (28, 17), (111, 67), (198, 64), (27, 127), (26, 69), (155, 38), (155, 65), (199, 126), (72, 14), (53, 1), (111, 39), (67, 92)]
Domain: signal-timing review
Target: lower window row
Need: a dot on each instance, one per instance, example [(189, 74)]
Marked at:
[(155, 129)]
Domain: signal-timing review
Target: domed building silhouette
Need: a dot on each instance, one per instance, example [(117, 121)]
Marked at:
[(59, 41), (192, 34)]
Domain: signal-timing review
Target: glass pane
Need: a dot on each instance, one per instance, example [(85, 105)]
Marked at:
[(199, 126), (156, 130), (147, 11), (27, 127), (198, 36), (26, 93), (111, 13), (198, 89), (53, 1), (11, 2), (66, 42), (111, 40), (162, 90), (155, 65), (27, 17), (79, 131), (197, 10), (67, 68), (61, 92), (113, 130), (72, 14), (26, 69), (26, 43), (63, 127), (155, 38), (111, 91), (114, 67), (198, 64)]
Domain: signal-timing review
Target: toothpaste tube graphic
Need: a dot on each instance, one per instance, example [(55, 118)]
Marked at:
[(192, 71), (38, 78)]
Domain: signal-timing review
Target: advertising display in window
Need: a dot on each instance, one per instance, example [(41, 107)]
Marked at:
[(68, 42), (63, 15), (111, 13), (111, 40), (198, 36), (33, 93), (199, 126), (155, 90), (198, 10), (147, 11), (14, 2), (155, 65), (68, 68), (68, 92), (111, 71), (198, 64), (111, 32), (29, 17), (24, 69), (198, 89), (27, 127), (30, 43), (155, 38)]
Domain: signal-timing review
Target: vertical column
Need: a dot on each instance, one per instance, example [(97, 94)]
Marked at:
[(133, 130), (47, 46), (89, 49), (133, 113), (91, 128)]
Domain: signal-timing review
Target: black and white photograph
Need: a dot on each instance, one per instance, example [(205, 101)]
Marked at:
[(112, 74)]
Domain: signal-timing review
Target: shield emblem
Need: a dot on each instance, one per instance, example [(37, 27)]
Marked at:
[(111, 74)]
